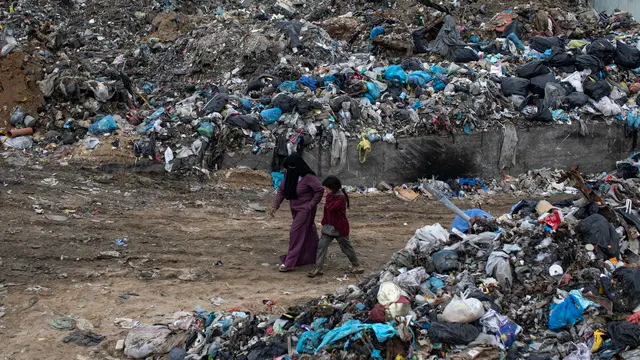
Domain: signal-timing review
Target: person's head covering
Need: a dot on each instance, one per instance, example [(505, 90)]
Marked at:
[(296, 168)]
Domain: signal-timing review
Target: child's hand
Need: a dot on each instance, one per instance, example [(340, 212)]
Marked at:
[(272, 212)]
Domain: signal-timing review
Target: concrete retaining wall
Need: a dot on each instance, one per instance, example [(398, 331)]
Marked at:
[(632, 6), (474, 155)]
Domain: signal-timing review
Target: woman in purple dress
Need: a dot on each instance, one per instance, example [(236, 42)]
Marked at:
[(304, 192)]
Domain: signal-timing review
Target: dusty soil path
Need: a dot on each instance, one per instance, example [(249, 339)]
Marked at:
[(176, 231)]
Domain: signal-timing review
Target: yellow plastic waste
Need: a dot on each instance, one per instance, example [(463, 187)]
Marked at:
[(597, 340), (577, 44), (364, 147)]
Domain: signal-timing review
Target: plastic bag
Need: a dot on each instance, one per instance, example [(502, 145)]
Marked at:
[(603, 49), (554, 95), (596, 88), (532, 69), (465, 55), (608, 107), (498, 266), (463, 310), (103, 126), (269, 116), (395, 74), (575, 80), (419, 78), (206, 129), (590, 62), (542, 43), (560, 58), (627, 56), (20, 142), (515, 86), (411, 280), (576, 99), (445, 261), (539, 83), (428, 239), (567, 313), (144, 341), (17, 116), (452, 333)]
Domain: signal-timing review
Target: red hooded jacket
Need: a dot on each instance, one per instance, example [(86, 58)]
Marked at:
[(335, 212)]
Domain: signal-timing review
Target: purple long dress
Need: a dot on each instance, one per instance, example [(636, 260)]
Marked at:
[(303, 237)]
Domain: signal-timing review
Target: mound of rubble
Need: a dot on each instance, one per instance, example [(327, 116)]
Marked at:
[(544, 281), (185, 82)]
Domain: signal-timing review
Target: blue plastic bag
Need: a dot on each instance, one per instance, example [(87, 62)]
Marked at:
[(206, 129), (287, 86), (376, 31), (567, 313), (513, 37), (246, 104), (276, 179), (435, 69), (329, 79), (395, 74), (105, 125), (383, 332), (373, 90), (419, 78), (460, 224), (308, 82), (438, 85), (269, 116)]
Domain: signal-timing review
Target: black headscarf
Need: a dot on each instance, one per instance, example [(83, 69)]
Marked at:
[(296, 168)]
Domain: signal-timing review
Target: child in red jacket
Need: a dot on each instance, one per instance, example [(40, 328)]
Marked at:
[(335, 225)]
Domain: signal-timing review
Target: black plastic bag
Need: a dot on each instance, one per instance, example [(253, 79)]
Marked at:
[(596, 230), (623, 334), (216, 104), (543, 43), (626, 171), (515, 27), (292, 30), (627, 56), (576, 99), (244, 122), (514, 86), (538, 83), (589, 62), (445, 261), (464, 55), (532, 69), (596, 88), (452, 333), (626, 287), (603, 49), (560, 58), (285, 102), (543, 114), (567, 87)]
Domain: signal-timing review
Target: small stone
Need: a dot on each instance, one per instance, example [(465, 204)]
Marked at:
[(120, 345)]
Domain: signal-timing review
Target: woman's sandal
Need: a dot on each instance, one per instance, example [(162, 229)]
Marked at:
[(283, 268)]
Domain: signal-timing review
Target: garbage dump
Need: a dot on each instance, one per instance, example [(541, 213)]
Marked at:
[(184, 84), (547, 280)]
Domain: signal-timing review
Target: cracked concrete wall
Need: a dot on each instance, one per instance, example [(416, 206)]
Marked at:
[(474, 155)]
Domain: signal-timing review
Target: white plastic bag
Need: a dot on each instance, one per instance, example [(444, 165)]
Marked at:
[(463, 310), (428, 239), (575, 80)]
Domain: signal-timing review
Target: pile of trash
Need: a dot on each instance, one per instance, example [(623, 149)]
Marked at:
[(186, 83), (544, 281)]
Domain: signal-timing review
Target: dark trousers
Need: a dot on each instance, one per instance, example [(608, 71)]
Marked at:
[(345, 246)]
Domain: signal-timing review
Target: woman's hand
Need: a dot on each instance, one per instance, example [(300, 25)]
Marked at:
[(272, 212), (309, 206)]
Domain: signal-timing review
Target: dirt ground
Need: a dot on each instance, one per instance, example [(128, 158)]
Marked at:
[(186, 243), (18, 86)]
